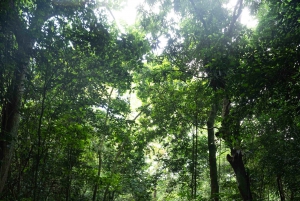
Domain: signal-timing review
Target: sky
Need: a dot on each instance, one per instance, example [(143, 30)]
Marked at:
[(128, 14)]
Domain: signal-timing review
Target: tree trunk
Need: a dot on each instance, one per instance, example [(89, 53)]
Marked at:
[(280, 188), (292, 195), (106, 193), (10, 118), (242, 178), (194, 156), (39, 146), (214, 185), (154, 194), (10, 123), (236, 157), (101, 146), (98, 174), (196, 159)]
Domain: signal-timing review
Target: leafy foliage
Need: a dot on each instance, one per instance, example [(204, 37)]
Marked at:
[(70, 130)]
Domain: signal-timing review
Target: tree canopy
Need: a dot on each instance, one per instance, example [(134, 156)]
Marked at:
[(186, 104)]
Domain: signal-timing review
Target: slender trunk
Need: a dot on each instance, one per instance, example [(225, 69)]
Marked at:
[(111, 195), (196, 161), (69, 175), (38, 156), (101, 145), (68, 189), (236, 157), (280, 188), (242, 178), (154, 194), (106, 192), (98, 174), (261, 189), (23, 164), (292, 195), (193, 167), (214, 185), (113, 169)]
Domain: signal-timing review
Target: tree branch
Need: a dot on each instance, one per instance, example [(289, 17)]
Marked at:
[(144, 107), (200, 16), (236, 13)]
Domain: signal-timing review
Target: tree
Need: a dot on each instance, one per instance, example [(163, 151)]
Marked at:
[(203, 46), (265, 93), (58, 63), (69, 129)]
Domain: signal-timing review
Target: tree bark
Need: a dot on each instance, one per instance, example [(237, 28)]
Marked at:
[(10, 123), (214, 185), (193, 166), (280, 188), (39, 146), (242, 178), (99, 172), (10, 118), (196, 159), (101, 145), (236, 157)]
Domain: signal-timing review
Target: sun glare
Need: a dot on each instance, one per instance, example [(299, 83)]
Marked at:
[(127, 16), (247, 19)]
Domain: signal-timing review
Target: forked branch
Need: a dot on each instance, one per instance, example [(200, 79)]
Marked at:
[(199, 14), (238, 8)]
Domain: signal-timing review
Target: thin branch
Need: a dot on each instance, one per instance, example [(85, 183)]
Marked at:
[(200, 16), (140, 112), (236, 13), (183, 71), (111, 13)]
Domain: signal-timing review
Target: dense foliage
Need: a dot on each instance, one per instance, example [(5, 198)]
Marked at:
[(92, 112)]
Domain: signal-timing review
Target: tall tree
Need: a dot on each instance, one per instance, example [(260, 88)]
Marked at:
[(62, 56), (203, 46), (264, 85)]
